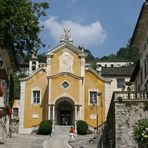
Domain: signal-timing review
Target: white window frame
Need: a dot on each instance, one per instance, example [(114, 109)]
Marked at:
[(89, 99), (62, 85), (32, 100)]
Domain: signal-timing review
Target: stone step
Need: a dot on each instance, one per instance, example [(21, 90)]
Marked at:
[(61, 129)]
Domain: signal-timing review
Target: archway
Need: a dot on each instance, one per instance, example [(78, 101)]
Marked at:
[(64, 111)]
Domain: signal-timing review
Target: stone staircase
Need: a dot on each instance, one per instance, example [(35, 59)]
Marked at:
[(61, 129)]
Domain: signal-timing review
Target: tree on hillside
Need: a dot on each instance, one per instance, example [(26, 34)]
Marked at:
[(110, 57), (90, 58), (19, 25), (129, 53), (125, 53)]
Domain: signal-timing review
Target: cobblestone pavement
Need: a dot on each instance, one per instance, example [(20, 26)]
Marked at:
[(24, 141), (83, 142), (57, 140)]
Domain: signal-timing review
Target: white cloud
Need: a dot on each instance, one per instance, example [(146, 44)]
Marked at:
[(87, 35), (73, 1), (70, 2)]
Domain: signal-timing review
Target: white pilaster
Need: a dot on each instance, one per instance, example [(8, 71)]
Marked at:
[(49, 113), (21, 109), (76, 112), (49, 98), (49, 62), (30, 67), (107, 98), (81, 99), (53, 113), (82, 67), (37, 64)]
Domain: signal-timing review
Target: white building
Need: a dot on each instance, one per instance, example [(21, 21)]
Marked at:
[(113, 63)]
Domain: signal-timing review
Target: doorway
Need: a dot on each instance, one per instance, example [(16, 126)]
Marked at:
[(65, 112), (65, 117)]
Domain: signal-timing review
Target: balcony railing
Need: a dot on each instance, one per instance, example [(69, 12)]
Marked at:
[(130, 95)]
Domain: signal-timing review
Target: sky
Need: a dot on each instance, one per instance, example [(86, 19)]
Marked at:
[(102, 26)]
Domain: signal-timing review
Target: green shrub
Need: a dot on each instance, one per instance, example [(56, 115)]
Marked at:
[(82, 127), (45, 127), (141, 131)]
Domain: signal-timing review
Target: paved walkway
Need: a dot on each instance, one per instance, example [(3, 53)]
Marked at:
[(24, 141), (57, 140), (82, 141)]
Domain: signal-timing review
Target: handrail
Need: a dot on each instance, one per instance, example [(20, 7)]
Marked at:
[(99, 126), (3, 126)]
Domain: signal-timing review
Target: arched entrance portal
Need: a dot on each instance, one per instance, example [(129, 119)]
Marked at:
[(64, 113)]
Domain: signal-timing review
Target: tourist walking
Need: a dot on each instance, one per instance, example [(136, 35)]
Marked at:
[(71, 134)]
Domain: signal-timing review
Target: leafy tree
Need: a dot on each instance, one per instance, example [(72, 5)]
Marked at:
[(41, 58), (19, 25), (125, 53), (128, 53), (14, 87), (89, 57)]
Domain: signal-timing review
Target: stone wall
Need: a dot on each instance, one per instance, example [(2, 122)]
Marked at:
[(122, 116), (127, 114)]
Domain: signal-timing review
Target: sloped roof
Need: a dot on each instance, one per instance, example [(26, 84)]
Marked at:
[(117, 71), (97, 74), (69, 46)]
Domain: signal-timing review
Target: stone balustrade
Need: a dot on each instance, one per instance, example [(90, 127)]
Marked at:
[(130, 95)]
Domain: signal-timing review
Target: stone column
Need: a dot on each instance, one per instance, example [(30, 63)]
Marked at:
[(81, 99), (76, 115), (53, 114), (49, 117)]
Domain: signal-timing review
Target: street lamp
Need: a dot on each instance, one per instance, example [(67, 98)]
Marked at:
[(94, 104)]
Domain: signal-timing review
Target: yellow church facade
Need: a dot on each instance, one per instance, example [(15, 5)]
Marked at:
[(64, 90)]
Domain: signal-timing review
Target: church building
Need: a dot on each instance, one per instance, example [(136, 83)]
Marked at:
[(63, 90)]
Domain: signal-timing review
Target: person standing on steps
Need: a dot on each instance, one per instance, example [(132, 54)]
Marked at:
[(71, 134)]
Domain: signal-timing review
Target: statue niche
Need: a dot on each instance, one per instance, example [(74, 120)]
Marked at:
[(66, 62)]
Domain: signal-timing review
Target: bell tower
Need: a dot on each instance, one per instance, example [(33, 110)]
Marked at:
[(33, 63)]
